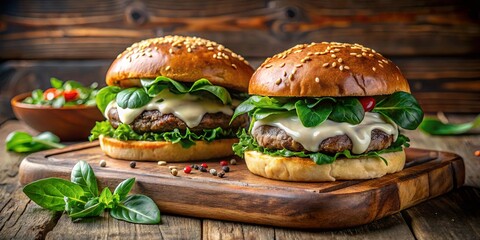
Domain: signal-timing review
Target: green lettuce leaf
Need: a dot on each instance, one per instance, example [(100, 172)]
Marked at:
[(247, 143), (186, 139)]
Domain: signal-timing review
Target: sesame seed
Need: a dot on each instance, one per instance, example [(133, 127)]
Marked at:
[(334, 64), (359, 55), (294, 71), (346, 67), (210, 48), (325, 65), (290, 77), (353, 54), (285, 73), (317, 79), (340, 60), (234, 66), (214, 55), (370, 55), (282, 65), (374, 69), (317, 53), (341, 67), (298, 65), (380, 65), (170, 51), (364, 54), (268, 66), (167, 68), (309, 54), (336, 50), (333, 56), (189, 50), (297, 51), (278, 81)]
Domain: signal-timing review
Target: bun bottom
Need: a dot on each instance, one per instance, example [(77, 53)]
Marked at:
[(165, 151), (305, 170)]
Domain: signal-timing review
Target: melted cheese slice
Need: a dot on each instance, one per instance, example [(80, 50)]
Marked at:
[(187, 107), (311, 138)]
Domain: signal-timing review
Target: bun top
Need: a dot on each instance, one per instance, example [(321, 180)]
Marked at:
[(185, 59), (327, 69)]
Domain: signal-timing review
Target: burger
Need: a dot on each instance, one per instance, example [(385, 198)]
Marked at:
[(172, 98), (326, 112)]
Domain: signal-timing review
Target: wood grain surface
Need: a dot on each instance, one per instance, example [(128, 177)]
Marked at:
[(23, 219), (244, 197)]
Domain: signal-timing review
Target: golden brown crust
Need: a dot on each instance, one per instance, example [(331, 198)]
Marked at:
[(166, 151), (185, 59), (327, 69), (305, 170)]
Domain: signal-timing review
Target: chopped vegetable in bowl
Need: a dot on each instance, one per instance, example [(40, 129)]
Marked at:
[(63, 94)]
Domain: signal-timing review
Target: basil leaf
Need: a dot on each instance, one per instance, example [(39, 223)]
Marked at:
[(435, 127), (186, 139), (124, 188), (83, 175), (92, 208), (401, 108), (137, 209), (132, 98), (105, 96), (56, 83), (349, 110), (23, 142), (106, 197), (314, 115), (254, 103), (49, 193)]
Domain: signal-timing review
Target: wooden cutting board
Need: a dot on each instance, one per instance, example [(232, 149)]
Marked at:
[(244, 197)]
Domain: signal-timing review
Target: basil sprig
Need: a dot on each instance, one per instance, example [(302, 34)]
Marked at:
[(186, 139), (248, 143), (79, 198), (400, 107), (22, 142), (137, 97)]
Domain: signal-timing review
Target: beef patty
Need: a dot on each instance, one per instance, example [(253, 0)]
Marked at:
[(155, 121), (275, 138)]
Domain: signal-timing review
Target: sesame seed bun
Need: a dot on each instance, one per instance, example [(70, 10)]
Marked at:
[(305, 170), (327, 69), (184, 59)]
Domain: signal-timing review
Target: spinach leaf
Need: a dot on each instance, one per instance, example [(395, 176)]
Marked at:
[(124, 188), (137, 209), (83, 175), (348, 109), (105, 96), (312, 115), (22, 142), (436, 127), (92, 208), (260, 106), (133, 98), (154, 87), (49, 193), (401, 108)]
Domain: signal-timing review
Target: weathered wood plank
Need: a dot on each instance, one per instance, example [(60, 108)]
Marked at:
[(106, 227), (66, 29), (391, 227), (453, 216), (218, 230)]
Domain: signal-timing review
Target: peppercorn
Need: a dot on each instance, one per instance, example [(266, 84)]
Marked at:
[(174, 172), (221, 174), (203, 169), (187, 169), (204, 165), (213, 172), (233, 161), (133, 164), (172, 167), (226, 169), (196, 166), (477, 153), (103, 163), (223, 163), (162, 163)]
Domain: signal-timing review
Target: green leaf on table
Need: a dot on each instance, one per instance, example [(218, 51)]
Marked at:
[(133, 98), (105, 96), (402, 108), (436, 127), (22, 142), (83, 175), (347, 109), (92, 208), (124, 188), (137, 209), (49, 193)]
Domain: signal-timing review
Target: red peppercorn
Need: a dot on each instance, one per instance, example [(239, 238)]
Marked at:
[(368, 103), (187, 169), (223, 163), (477, 153), (204, 165)]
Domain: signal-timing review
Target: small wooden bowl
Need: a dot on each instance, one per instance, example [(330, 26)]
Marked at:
[(72, 123)]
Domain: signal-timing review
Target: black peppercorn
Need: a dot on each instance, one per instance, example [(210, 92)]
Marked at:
[(133, 164), (221, 174), (226, 168), (195, 166), (203, 169)]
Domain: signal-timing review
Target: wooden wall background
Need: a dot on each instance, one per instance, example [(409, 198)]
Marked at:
[(435, 43)]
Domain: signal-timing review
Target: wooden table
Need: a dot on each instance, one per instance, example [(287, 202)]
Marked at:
[(455, 215)]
